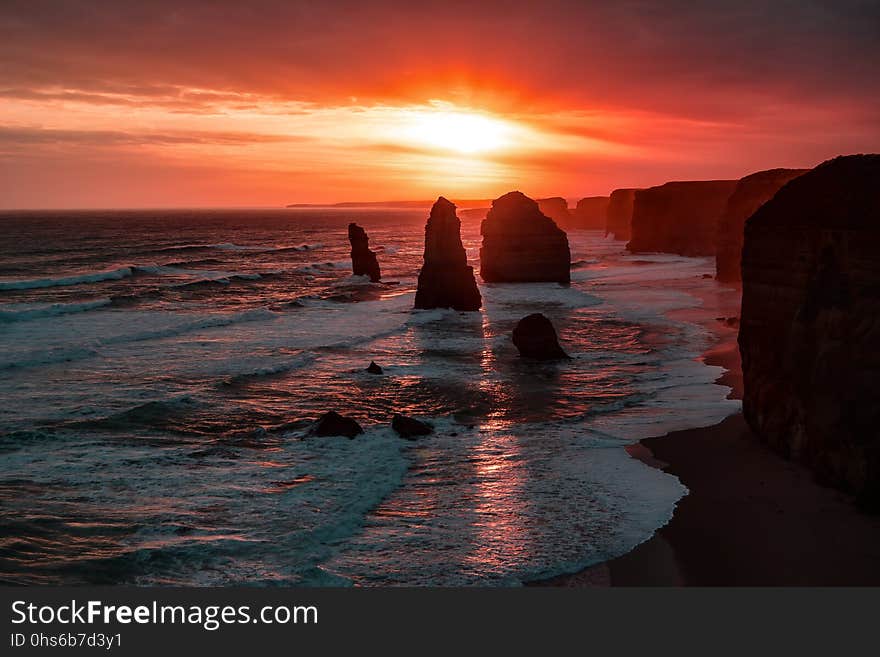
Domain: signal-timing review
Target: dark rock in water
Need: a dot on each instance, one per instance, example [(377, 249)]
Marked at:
[(618, 216), (590, 213), (363, 261), (679, 217), (446, 280), (810, 323), (409, 428), (750, 194), (521, 244), (535, 337), (556, 208), (334, 424), (373, 368)]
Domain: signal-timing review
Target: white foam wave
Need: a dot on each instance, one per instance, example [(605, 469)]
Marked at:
[(318, 268), (22, 312), (73, 279)]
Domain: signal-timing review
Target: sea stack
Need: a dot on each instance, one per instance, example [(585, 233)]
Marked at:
[(521, 244), (751, 193), (810, 323), (446, 279), (679, 217), (363, 261), (590, 213), (618, 217), (535, 337), (556, 208)]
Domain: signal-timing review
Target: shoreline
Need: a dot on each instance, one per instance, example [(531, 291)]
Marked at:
[(750, 518)]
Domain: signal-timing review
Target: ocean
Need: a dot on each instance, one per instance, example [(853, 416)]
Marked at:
[(160, 372)]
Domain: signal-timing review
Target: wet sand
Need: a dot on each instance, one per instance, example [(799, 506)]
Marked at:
[(752, 518)]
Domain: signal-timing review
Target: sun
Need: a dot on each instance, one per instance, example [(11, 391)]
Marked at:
[(462, 132)]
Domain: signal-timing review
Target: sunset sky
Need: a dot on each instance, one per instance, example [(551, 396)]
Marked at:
[(174, 103)]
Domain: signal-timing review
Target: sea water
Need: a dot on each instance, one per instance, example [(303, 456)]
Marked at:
[(160, 372)]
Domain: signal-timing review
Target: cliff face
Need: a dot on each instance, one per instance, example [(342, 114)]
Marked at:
[(363, 261), (446, 280), (618, 216), (520, 244), (589, 213), (679, 217), (557, 209), (810, 325), (751, 193)]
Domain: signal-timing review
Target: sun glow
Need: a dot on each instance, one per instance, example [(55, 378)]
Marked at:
[(458, 131)]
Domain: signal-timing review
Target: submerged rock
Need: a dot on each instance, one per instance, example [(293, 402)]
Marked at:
[(590, 213), (750, 194), (409, 428), (535, 337), (618, 216), (363, 261), (679, 217), (372, 368), (446, 280), (810, 323), (334, 424), (521, 244)]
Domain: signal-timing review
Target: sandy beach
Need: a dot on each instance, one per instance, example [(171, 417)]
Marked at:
[(751, 518)]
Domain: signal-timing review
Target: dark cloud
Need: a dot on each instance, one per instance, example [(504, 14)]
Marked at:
[(685, 56)]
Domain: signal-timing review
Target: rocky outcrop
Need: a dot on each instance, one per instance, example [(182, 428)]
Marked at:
[(589, 213), (334, 424), (618, 216), (535, 337), (556, 208), (410, 428), (372, 368), (363, 261), (473, 214), (446, 279), (810, 323), (679, 217), (751, 193), (521, 244)]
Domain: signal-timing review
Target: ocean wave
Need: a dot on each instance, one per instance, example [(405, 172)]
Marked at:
[(221, 246), (125, 272), (535, 295), (543, 498), (180, 264), (70, 354), (301, 247), (318, 268), (299, 362), (219, 280), (74, 279), (199, 276), (231, 246), (255, 315), (158, 414), (49, 357), (24, 312)]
